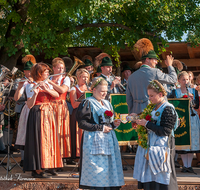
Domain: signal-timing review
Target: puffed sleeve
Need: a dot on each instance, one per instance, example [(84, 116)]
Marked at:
[(168, 120), (196, 101), (85, 118)]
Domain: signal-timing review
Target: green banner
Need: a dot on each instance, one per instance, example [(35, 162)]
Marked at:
[(182, 134), (125, 133)]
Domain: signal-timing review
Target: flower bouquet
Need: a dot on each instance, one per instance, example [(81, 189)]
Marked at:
[(141, 130)]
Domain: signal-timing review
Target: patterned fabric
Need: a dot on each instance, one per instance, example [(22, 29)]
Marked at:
[(101, 170), (100, 143), (61, 118), (50, 149), (154, 169)]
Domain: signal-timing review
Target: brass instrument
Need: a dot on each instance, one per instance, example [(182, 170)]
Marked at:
[(12, 108), (77, 63)]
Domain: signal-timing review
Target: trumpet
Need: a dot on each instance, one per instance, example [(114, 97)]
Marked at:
[(38, 84), (121, 86)]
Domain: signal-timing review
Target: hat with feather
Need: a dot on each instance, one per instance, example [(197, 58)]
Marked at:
[(143, 49), (28, 61), (87, 60), (98, 59), (178, 66)]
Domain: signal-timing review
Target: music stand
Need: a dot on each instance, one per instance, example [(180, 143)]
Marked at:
[(9, 155)]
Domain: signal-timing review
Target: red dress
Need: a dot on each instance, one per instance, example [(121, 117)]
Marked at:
[(42, 148), (61, 117)]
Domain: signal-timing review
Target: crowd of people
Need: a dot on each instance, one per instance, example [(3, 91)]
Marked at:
[(55, 123)]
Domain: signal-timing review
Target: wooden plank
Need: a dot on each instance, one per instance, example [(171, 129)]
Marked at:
[(190, 51)]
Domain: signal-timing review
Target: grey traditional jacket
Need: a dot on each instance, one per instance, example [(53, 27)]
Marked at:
[(136, 91)]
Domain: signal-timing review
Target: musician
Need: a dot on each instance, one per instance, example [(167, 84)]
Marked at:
[(126, 72), (106, 68), (88, 63), (42, 149), (20, 98), (83, 77), (187, 155), (61, 84)]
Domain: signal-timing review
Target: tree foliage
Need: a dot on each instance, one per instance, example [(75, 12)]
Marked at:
[(51, 26)]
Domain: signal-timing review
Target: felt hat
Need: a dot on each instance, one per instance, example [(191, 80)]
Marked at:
[(106, 61), (126, 67), (28, 65), (151, 54), (87, 63)]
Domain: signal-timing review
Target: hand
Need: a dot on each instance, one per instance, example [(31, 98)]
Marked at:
[(169, 60), (134, 125), (191, 96), (43, 85), (20, 85), (114, 83), (117, 122), (36, 91), (141, 122), (107, 129)]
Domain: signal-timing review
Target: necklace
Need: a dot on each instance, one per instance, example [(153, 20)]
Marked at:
[(157, 105)]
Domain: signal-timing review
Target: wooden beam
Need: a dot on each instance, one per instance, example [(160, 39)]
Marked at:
[(190, 51)]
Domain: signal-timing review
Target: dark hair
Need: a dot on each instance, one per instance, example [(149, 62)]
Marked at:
[(37, 70)]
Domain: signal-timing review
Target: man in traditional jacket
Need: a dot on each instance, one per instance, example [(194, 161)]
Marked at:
[(136, 91), (106, 68), (126, 71)]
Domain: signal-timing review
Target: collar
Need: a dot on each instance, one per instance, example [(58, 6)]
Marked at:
[(105, 77), (145, 66)]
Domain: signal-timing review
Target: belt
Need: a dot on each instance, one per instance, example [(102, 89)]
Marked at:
[(141, 101)]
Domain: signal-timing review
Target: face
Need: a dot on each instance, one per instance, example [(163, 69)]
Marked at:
[(27, 73), (183, 80), (127, 73), (45, 74), (83, 78), (100, 92), (106, 70), (154, 97), (59, 68), (89, 68), (152, 62), (190, 77)]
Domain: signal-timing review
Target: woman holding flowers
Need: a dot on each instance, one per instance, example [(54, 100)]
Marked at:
[(154, 163), (101, 166), (187, 154)]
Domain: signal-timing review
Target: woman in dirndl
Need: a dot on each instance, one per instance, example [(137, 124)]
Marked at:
[(76, 92), (154, 167), (61, 84), (100, 166), (192, 94), (42, 148)]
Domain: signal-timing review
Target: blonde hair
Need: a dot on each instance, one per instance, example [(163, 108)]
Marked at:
[(98, 81), (198, 79), (79, 72), (157, 87), (183, 73), (190, 72), (57, 61)]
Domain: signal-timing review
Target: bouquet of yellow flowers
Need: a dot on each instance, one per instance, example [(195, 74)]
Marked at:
[(141, 130)]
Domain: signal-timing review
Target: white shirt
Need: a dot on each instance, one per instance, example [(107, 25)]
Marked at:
[(29, 94), (66, 81)]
